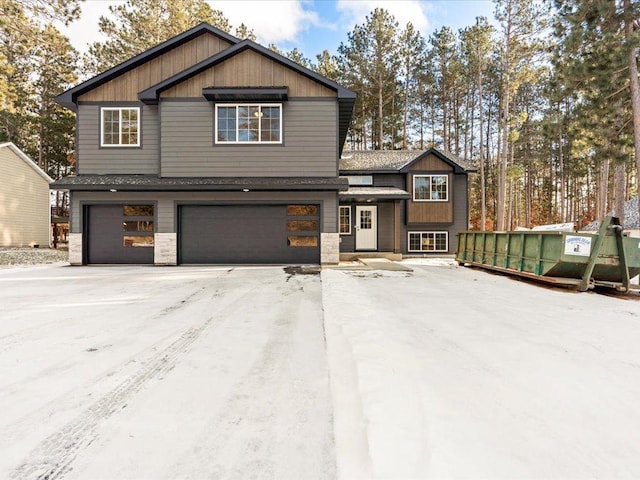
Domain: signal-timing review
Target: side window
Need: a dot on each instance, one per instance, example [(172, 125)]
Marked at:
[(430, 188), (120, 127), (345, 220), (248, 123)]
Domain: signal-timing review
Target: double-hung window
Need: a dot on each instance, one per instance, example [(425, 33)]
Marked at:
[(120, 127), (430, 188), (244, 123)]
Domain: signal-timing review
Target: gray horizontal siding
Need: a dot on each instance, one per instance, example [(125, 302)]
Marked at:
[(397, 180), (385, 226), (166, 204), (109, 160), (188, 150)]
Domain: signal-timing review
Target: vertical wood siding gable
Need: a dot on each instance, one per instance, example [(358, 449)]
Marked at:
[(126, 86), (246, 69)]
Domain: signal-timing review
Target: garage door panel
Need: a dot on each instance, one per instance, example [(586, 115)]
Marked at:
[(239, 234), (106, 238)]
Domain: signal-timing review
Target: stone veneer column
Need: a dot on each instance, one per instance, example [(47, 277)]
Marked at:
[(329, 248), (75, 248), (165, 250)]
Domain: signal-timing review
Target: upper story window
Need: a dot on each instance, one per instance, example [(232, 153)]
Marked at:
[(430, 188), (249, 123), (120, 127)]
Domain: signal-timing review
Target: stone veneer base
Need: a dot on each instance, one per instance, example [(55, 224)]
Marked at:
[(165, 251), (329, 248)]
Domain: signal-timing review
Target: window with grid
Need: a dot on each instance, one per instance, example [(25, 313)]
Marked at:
[(345, 220), (120, 127), (249, 123), (430, 188), (428, 241)]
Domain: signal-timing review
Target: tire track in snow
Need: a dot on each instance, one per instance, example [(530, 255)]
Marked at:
[(53, 457)]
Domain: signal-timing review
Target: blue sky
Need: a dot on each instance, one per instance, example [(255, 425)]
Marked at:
[(309, 25)]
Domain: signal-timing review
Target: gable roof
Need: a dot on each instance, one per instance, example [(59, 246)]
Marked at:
[(346, 98), (68, 98), (388, 161), (23, 156)]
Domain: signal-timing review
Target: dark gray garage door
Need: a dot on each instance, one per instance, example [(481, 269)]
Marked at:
[(249, 234), (119, 233)]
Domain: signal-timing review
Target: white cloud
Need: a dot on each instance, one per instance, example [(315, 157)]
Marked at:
[(405, 11), (273, 21)]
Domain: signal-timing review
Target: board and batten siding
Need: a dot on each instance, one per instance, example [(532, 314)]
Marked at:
[(249, 68), (309, 147), (24, 203), (166, 204), (93, 159), (125, 87)]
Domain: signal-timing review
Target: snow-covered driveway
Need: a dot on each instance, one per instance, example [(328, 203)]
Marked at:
[(134, 372), (454, 373), (203, 372)]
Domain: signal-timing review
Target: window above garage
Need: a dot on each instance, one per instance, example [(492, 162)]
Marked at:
[(248, 123), (120, 127)]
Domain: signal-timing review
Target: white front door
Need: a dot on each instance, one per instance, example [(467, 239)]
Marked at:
[(366, 227)]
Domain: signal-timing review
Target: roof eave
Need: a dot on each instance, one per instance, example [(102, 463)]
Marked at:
[(457, 168)]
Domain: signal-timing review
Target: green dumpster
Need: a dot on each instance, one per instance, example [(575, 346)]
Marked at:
[(581, 260)]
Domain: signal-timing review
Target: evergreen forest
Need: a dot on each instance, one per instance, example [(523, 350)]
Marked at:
[(543, 99)]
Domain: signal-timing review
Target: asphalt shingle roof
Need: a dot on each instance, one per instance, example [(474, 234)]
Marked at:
[(152, 182), (377, 159), (390, 160)]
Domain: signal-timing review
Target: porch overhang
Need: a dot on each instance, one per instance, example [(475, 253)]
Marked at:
[(374, 193), (181, 184)]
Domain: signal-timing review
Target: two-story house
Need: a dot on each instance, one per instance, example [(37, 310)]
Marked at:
[(209, 149), (206, 149)]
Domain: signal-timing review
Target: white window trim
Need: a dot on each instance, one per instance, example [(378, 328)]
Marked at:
[(236, 142), (426, 232), (118, 145), (350, 223), (430, 199)]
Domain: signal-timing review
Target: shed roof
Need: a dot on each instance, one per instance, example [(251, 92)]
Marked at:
[(23, 156), (375, 192)]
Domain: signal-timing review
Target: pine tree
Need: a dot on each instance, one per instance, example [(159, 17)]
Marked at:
[(412, 57), (596, 63), (297, 56), (477, 46), (327, 65), (521, 21), (369, 61)]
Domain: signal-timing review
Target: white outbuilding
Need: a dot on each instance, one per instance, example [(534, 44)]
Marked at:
[(25, 214)]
